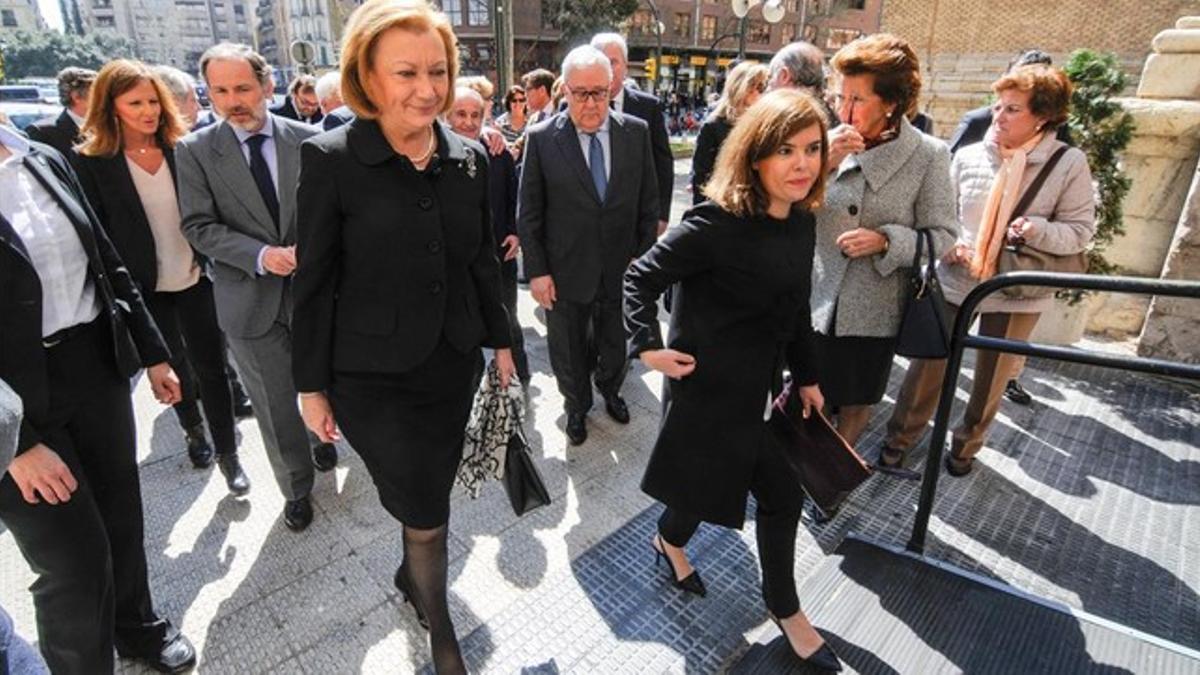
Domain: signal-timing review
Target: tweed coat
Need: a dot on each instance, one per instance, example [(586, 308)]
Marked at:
[(895, 189)]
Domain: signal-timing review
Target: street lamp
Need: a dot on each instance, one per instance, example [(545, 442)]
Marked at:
[(772, 11)]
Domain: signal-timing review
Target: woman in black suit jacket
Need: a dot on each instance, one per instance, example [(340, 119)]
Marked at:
[(397, 286), (744, 84), (127, 166), (742, 266)]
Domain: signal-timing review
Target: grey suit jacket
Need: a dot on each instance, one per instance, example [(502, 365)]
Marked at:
[(225, 218), (565, 229)]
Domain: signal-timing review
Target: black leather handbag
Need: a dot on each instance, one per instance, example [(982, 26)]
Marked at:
[(524, 485), (924, 333)]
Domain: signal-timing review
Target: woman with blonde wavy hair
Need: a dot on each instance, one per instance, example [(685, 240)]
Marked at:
[(744, 84), (126, 163)]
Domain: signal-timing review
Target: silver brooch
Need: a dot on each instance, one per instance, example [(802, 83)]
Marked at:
[(469, 164)]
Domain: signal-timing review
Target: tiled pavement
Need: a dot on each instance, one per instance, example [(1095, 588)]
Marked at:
[(1089, 497)]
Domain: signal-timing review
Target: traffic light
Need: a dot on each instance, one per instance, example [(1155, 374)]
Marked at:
[(651, 68)]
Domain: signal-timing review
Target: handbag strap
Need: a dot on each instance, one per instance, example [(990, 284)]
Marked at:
[(924, 235), (1036, 185)]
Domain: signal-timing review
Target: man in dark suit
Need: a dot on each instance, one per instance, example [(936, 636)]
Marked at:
[(301, 103), (62, 132), (75, 330), (588, 206), (647, 108), (237, 198), (539, 104)]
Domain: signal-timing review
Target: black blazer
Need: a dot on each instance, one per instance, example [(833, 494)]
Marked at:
[(60, 133), (741, 307), (288, 109), (502, 187), (391, 261), (337, 117), (565, 230), (649, 109), (712, 136), (136, 340), (974, 125), (109, 187)]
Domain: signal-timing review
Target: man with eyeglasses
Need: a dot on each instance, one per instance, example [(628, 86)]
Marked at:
[(588, 206)]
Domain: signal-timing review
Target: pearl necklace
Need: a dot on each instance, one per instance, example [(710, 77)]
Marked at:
[(417, 161)]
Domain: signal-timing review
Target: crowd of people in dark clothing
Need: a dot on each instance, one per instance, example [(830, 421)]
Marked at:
[(337, 266)]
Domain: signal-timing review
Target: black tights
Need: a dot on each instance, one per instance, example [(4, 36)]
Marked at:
[(777, 516), (425, 562)]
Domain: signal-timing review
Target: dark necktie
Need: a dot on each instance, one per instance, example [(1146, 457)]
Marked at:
[(262, 176), (596, 165)]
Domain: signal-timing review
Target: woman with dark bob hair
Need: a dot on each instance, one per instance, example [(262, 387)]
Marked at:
[(741, 268), (889, 181), (397, 285), (989, 179)]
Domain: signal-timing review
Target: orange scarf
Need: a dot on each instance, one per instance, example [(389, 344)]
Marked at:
[(993, 228)]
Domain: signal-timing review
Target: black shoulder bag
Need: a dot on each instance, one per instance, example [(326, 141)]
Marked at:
[(924, 333)]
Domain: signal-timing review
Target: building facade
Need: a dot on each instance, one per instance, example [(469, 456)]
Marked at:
[(174, 32), (282, 22), (20, 15)]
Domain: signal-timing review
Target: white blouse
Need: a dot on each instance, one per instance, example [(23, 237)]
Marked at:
[(177, 267)]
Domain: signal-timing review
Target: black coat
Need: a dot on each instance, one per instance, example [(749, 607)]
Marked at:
[(288, 109), (741, 307), (337, 117), (974, 125), (137, 342), (712, 136), (60, 133), (566, 231), (114, 197), (391, 261), (648, 109), (502, 186)]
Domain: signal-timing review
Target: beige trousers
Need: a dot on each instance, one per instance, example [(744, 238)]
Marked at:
[(918, 397)]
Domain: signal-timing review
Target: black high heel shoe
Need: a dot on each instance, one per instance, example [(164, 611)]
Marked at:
[(402, 585), (823, 659), (692, 583)]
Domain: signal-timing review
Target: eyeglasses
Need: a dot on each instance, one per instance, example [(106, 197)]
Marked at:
[(582, 96), (518, 100)]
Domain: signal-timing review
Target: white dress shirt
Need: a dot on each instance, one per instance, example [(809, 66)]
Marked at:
[(585, 143), (57, 254)]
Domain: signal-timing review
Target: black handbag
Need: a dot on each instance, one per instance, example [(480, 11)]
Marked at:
[(827, 468), (924, 333), (524, 485)]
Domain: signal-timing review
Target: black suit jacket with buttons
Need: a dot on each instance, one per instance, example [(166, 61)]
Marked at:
[(390, 260), (136, 340), (60, 133)]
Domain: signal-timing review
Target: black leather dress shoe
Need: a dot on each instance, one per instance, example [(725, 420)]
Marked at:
[(617, 409), (1014, 392), (325, 457), (198, 449), (235, 477), (576, 428), (177, 655), (298, 513)]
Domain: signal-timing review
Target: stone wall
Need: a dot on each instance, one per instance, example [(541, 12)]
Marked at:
[(1172, 328)]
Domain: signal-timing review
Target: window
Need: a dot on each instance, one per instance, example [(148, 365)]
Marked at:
[(708, 27), (8, 18), (453, 11), (792, 5), (787, 33), (683, 24), (642, 23), (758, 32), (856, 4), (105, 22), (840, 37), (479, 13)]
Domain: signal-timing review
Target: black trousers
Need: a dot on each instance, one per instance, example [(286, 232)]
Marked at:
[(88, 554), (779, 503), (581, 335), (188, 322), (508, 277)]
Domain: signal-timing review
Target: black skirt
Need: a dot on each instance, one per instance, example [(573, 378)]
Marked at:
[(408, 429), (854, 369)]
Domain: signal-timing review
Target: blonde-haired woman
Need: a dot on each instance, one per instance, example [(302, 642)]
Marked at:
[(741, 268), (126, 164), (397, 285), (743, 85)]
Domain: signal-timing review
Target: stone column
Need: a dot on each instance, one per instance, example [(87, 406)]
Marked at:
[(1160, 161), (1172, 328)]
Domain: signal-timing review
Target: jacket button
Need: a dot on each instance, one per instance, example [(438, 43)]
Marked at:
[(434, 246), (853, 210), (425, 203), (435, 288)]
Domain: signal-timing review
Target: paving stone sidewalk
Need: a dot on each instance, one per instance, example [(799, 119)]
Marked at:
[(1089, 496)]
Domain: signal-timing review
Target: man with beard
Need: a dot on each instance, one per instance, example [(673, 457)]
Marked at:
[(237, 195)]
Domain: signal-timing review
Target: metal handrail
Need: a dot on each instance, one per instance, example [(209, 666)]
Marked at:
[(960, 341)]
